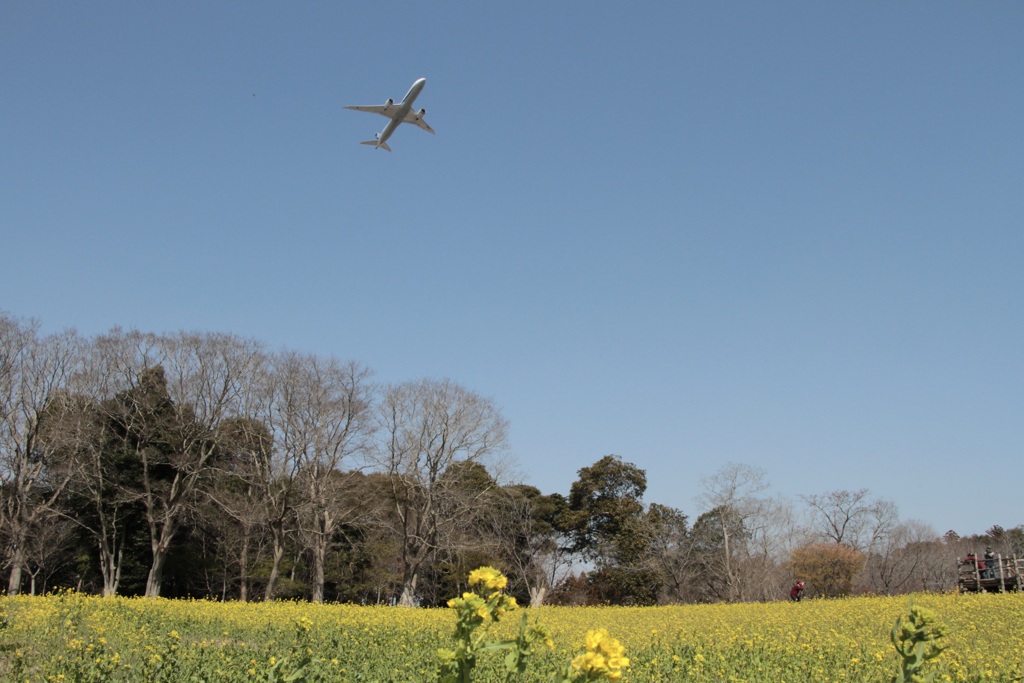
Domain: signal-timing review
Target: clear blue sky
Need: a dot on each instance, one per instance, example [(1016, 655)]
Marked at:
[(787, 234)]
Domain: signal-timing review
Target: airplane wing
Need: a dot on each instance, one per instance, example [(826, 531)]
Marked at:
[(415, 119), (382, 109)]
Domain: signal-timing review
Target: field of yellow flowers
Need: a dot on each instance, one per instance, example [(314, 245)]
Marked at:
[(70, 637)]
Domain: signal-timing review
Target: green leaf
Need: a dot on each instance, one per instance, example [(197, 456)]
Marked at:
[(512, 661), (497, 645)]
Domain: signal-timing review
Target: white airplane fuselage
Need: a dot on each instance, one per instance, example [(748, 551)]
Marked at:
[(403, 108), (398, 114)]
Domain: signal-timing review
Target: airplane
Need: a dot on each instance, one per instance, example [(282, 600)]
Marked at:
[(398, 113)]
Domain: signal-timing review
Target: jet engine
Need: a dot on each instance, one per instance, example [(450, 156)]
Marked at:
[(421, 113)]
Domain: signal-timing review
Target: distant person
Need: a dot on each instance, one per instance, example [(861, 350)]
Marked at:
[(990, 564), (797, 591)]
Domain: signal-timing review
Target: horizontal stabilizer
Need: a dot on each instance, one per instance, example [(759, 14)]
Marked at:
[(376, 143)]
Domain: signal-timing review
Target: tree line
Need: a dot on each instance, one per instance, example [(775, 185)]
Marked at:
[(205, 465)]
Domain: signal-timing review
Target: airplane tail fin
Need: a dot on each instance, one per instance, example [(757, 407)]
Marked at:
[(376, 143)]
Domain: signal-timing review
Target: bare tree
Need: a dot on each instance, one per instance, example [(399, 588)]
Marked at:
[(238, 509), (428, 426), (771, 536), (328, 427), (209, 376), (521, 522), (180, 389), (851, 518), (98, 502), (273, 403), (34, 374), (48, 550), (898, 562), (732, 492), (105, 497), (938, 563)]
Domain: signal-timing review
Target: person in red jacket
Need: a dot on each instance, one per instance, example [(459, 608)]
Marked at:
[(797, 591)]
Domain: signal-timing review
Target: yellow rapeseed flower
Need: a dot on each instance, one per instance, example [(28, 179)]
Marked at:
[(763, 642), (490, 577), (603, 659)]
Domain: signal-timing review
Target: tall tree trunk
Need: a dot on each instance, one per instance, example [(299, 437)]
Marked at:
[(161, 546), (17, 561), (323, 524), (17, 558), (318, 575), (275, 565), (408, 598), (156, 573), (243, 570), (728, 564), (319, 559), (110, 568), (163, 526)]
